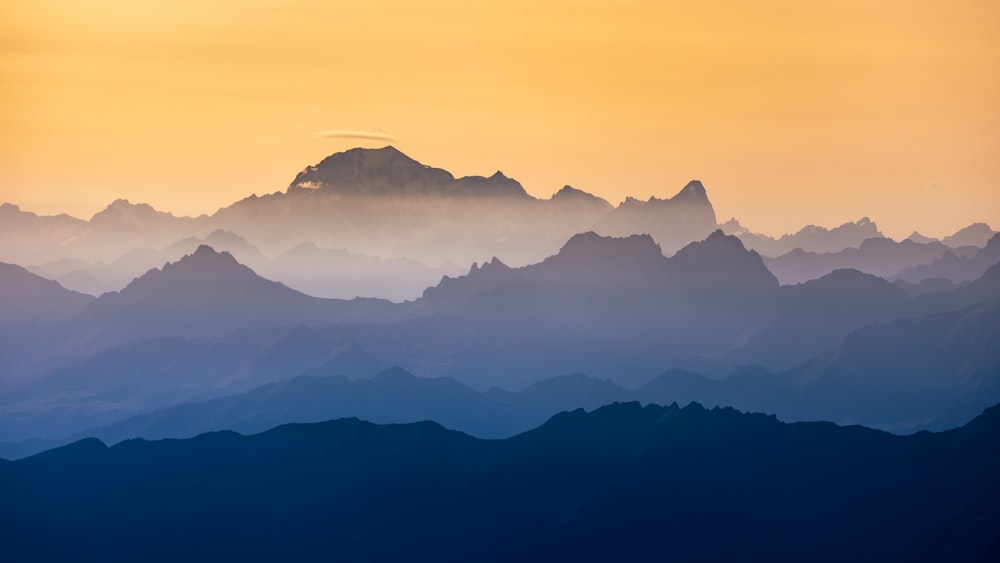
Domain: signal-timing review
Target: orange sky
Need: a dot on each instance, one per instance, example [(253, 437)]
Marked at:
[(789, 111)]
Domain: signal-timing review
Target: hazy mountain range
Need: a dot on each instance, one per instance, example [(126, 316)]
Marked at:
[(375, 223), (623, 481), (613, 308), (350, 296)]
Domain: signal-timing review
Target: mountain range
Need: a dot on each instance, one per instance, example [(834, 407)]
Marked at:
[(376, 223), (621, 482), (613, 308), (324, 376)]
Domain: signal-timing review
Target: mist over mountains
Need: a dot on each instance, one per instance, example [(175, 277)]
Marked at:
[(379, 288), (376, 223), (613, 308)]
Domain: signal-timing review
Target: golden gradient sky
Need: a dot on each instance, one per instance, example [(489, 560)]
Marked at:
[(790, 111)]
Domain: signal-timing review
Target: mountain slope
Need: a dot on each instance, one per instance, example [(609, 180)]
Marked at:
[(209, 294), (28, 298)]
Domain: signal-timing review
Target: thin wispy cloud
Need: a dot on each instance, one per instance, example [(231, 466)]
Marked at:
[(348, 134)]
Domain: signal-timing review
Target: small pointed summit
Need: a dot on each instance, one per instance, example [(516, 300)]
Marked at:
[(693, 191), (915, 236), (694, 186)]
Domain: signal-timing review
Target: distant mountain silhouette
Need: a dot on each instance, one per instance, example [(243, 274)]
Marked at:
[(813, 316), (672, 222), (337, 273), (810, 238), (976, 234), (624, 481), (28, 298), (606, 306), (370, 202), (380, 202), (392, 396), (27, 238), (450, 292), (881, 257), (386, 172), (955, 268), (97, 278), (209, 294), (920, 239), (930, 372), (109, 385), (614, 308)]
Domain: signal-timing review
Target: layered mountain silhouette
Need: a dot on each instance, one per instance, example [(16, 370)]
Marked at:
[(810, 238), (881, 257), (623, 481), (28, 298), (953, 267), (378, 203), (609, 307), (303, 317), (976, 234), (673, 222), (934, 372), (208, 293), (613, 308)]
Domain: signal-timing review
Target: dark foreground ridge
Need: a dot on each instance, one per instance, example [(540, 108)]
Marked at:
[(622, 483)]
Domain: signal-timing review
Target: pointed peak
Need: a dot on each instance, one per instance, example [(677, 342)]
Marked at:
[(693, 191), (491, 265), (205, 258), (694, 186), (915, 236)]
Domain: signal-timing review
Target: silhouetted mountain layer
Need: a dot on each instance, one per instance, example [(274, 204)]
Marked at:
[(953, 267), (371, 202), (934, 372), (877, 256), (809, 238), (673, 222), (380, 202), (613, 308), (26, 237), (209, 294), (28, 298), (610, 307), (976, 234), (155, 373), (623, 482)]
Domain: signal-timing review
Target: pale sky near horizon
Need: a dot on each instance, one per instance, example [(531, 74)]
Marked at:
[(790, 111)]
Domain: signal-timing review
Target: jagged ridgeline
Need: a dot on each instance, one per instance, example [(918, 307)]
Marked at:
[(375, 202)]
